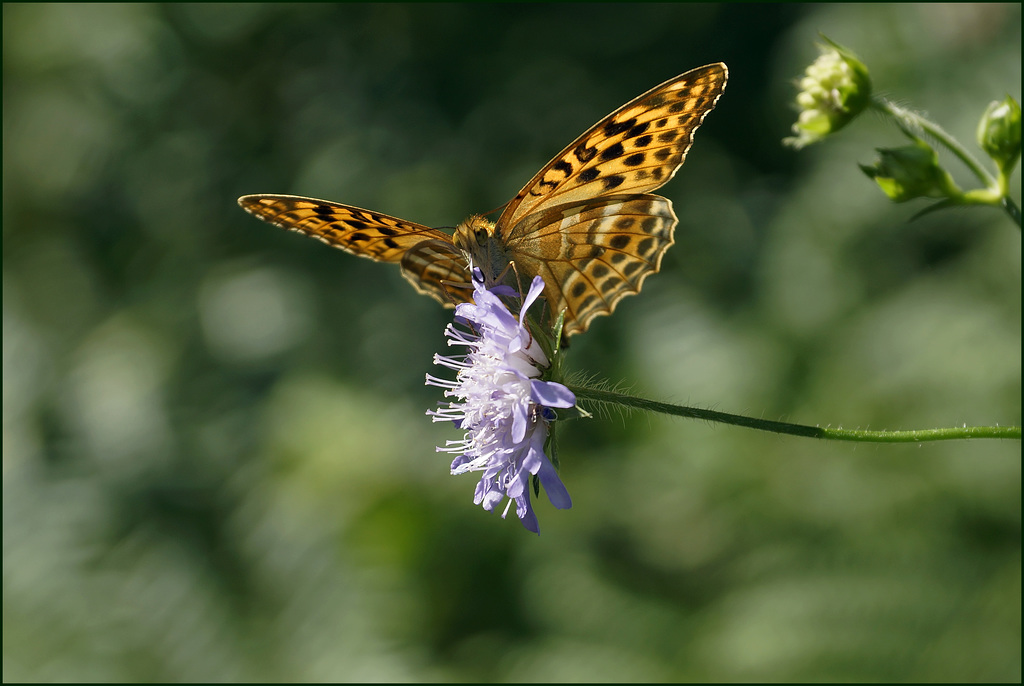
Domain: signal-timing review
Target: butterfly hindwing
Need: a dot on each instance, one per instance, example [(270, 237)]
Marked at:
[(606, 247), (437, 268)]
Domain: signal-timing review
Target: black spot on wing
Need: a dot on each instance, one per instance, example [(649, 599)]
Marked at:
[(614, 128), (613, 152), (613, 181), (649, 224), (638, 129), (583, 153)]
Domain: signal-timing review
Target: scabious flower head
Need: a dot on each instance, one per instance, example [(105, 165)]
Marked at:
[(835, 89), (502, 403)]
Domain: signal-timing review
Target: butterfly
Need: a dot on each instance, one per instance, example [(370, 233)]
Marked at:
[(586, 222)]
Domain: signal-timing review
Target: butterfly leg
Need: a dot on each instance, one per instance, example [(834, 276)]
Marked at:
[(452, 289)]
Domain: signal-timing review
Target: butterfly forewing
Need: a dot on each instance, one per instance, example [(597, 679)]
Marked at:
[(635, 149), (429, 260), (360, 232)]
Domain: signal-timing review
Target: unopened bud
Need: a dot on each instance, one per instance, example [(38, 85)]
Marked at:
[(911, 172), (999, 133)]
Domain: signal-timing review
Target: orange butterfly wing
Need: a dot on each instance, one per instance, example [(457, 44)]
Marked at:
[(427, 256), (586, 223)]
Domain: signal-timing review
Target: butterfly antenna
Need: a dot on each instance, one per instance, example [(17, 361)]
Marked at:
[(499, 208)]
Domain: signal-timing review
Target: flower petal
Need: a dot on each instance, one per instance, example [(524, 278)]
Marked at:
[(536, 288), (551, 394), (558, 494), (520, 420), (528, 517)]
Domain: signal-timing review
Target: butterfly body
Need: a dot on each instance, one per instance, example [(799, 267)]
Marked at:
[(482, 246), (586, 223)]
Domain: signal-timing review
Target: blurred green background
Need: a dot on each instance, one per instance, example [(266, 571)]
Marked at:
[(216, 463)]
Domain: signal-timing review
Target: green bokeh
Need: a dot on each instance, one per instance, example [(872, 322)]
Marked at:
[(216, 460)]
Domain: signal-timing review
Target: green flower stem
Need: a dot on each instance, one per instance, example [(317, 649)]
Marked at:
[(911, 123), (952, 433)]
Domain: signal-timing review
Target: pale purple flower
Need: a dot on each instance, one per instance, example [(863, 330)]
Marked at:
[(503, 405)]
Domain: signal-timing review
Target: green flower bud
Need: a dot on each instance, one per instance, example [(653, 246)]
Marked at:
[(911, 172), (834, 90), (999, 133)]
